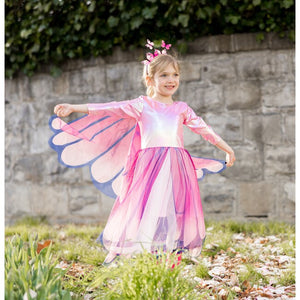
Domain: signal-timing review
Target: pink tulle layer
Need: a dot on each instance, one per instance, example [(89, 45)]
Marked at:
[(159, 206)]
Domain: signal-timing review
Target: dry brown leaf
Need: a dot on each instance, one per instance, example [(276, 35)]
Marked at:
[(41, 246)]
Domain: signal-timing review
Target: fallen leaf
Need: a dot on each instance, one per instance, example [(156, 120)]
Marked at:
[(41, 246)]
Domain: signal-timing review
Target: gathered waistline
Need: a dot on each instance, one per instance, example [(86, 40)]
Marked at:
[(162, 147)]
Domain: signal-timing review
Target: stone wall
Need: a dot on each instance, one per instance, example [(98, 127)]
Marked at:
[(245, 90)]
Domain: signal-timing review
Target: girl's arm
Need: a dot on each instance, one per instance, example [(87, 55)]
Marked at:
[(65, 109), (230, 157)]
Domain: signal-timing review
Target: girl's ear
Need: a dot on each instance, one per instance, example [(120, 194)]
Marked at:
[(149, 81)]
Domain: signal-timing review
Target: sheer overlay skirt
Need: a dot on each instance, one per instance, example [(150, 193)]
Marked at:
[(159, 206)]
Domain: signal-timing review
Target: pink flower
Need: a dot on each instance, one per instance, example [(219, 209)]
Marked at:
[(146, 62)]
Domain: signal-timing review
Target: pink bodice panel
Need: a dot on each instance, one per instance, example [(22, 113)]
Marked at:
[(161, 125)]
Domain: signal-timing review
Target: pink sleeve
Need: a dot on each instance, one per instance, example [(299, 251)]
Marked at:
[(124, 109), (197, 125)]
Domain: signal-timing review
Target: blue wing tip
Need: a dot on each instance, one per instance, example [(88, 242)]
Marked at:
[(206, 171)]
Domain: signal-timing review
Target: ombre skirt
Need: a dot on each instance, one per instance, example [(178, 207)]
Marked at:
[(159, 207)]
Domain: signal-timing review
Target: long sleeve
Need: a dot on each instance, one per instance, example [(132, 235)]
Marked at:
[(197, 125), (124, 109)]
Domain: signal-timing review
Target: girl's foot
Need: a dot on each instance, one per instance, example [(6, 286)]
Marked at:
[(111, 256)]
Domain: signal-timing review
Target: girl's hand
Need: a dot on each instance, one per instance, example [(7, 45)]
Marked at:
[(230, 159), (63, 110)]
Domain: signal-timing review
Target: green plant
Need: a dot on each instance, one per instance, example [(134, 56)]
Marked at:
[(252, 276), (30, 273), (202, 271), (147, 276), (40, 32), (288, 277)]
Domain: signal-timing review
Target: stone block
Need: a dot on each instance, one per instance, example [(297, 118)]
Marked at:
[(253, 127), (277, 42), (190, 138), (39, 140), (289, 189), (247, 42), (17, 200), (248, 166), (251, 65), (218, 198), (203, 96), (228, 126), (83, 195), (15, 145), (35, 200), (272, 130), (41, 86), (49, 200), (289, 128), (283, 60), (210, 44), (11, 91), (28, 168), (265, 65), (61, 84), (242, 95), (218, 69), (190, 71), (87, 81), (121, 56), (257, 198), (24, 87), (278, 93), (88, 210), (279, 161), (287, 207), (76, 64), (123, 77), (106, 207)]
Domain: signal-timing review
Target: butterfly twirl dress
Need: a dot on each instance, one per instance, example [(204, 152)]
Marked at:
[(135, 153)]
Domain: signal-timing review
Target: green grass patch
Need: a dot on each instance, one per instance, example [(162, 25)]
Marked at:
[(252, 276), (202, 271), (143, 277), (146, 276), (288, 277), (32, 274)]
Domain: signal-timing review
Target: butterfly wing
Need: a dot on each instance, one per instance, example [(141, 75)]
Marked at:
[(207, 166), (99, 141)]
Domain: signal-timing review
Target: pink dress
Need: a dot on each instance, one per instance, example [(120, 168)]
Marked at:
[(135, 153)]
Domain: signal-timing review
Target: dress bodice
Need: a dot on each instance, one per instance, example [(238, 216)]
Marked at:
[(161, 124)]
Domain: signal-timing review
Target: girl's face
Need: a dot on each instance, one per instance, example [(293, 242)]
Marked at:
[(166, 81)]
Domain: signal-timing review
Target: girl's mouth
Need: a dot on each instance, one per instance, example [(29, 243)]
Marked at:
[(170, 87)]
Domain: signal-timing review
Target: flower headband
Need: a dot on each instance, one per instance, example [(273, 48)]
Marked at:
[(150, 56)]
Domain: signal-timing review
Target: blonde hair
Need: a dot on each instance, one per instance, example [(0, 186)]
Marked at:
[(159, 63)]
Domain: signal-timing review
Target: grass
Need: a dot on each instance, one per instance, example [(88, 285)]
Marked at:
[(252, 276), (29, 274), (145, 276)]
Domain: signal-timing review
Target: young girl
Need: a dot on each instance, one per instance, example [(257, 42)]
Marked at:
[(135, 152)]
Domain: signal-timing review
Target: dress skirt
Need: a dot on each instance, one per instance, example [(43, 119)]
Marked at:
[(159, 207)]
